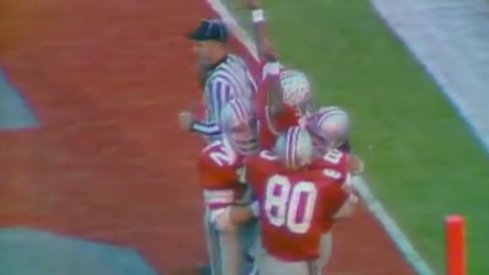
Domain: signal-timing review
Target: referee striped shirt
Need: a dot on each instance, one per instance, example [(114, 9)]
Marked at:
[(228, 79)]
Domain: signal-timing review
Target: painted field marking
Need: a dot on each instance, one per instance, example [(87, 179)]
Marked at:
[(450, 38), (32, 251), (374, 205), (15, 114)]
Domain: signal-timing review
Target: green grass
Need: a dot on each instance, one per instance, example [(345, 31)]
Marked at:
[(421, 158)]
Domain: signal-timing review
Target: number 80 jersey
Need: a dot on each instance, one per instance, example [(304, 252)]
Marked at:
[(296, 207)]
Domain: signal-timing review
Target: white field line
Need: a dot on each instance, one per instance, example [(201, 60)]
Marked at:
[(242, 36), (374, 205), (450, 38)]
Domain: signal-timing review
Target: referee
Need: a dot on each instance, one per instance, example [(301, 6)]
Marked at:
[(224, 76)]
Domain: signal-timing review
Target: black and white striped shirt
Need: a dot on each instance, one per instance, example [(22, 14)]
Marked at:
[(227, 80)]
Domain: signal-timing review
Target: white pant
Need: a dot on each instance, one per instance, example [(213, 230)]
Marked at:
[(228, 251), (269, 265)]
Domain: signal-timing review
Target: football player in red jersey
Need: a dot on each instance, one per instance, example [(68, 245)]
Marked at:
[(284, 99), (277, 115), (221, 178), (283, 95), (297, 205), (329, 128)]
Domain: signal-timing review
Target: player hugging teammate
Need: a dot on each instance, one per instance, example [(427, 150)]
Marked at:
[(275, 175)]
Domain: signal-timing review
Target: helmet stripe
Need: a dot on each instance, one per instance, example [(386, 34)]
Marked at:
[(292, 136), (288, 149), (295, 137)]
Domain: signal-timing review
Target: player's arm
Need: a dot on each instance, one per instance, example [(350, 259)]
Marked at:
[(268, 56), (243, 213), (261, 32), (355, 165), (348, 207), (340, 196), (227, 218), (350, 203), (336, 201), (189, 123), (223, 213), (205, 128), (275, 95)]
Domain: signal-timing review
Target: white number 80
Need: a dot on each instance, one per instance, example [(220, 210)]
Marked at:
[(284, 206)]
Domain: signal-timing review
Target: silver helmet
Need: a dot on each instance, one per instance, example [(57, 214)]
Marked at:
[(294, 148), (332, 124), (238, 124)]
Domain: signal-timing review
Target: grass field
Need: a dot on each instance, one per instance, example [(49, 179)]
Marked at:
[(422, 160)]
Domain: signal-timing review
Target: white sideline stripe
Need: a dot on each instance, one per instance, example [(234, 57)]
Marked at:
[(450, 38), (374, 205), (394, 231), (234, 27)]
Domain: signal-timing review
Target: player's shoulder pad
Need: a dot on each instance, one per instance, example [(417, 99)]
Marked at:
[(335, 156), (255, 161)]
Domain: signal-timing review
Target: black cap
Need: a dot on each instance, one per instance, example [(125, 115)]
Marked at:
[(210, 30)]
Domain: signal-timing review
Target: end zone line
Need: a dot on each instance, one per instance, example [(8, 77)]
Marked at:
[(431, 32), (374, 205)]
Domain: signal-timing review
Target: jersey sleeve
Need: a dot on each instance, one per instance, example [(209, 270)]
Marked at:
[(286, 118), (218, 92), (333, 198), (270, 128), (333, 160), (206, 128)]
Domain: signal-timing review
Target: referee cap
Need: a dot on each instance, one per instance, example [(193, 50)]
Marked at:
[(210, 30)]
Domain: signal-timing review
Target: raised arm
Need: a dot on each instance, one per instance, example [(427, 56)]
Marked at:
[(268, 56), (263, 44)]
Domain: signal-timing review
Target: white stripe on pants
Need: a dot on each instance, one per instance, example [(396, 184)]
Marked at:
[(227, 250)]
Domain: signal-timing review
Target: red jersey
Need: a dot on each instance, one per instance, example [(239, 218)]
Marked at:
[(220, 175), (296, 207), (333, 159), (269, 128)]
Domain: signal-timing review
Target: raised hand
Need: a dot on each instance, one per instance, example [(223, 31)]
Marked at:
[(356, 165), (186, 119)]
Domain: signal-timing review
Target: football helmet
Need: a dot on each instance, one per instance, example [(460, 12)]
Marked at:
[(296, 90), (294, 148), (238, 124), (331, 124)]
